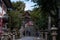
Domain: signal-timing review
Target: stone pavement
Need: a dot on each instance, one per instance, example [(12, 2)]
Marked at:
[(30, 38)]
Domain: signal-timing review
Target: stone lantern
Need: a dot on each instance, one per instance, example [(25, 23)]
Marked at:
[(5, 18), (54, 32), (5, 21)]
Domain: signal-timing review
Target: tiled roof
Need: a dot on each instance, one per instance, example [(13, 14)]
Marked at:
[(8, 3)]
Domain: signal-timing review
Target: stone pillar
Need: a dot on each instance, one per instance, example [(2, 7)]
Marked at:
[(14, 34), (54, 33), (41, 33), (46, 35), (21, 31), (21, 34), (13, 37)]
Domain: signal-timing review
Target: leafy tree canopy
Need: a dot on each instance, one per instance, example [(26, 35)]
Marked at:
[(39, 19), (14, 15)]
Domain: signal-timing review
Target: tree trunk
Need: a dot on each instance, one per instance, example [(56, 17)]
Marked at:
[(49, 22)]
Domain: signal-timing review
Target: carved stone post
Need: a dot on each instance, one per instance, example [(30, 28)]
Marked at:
[(46, 34), (42, 33), (14, 34)]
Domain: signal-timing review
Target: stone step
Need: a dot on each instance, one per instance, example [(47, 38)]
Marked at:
[(30, 38)]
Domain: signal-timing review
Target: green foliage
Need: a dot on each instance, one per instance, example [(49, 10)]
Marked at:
[(48, 7), (14, 15), (18, 5), (39, 19)]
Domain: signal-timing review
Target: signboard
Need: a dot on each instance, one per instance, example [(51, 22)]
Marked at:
[(30, 23)]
